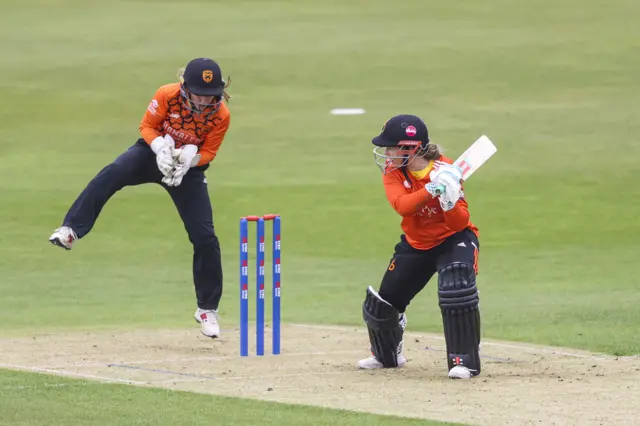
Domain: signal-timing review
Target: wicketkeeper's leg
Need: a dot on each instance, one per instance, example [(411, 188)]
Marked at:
[(192, 200), (135, 166)]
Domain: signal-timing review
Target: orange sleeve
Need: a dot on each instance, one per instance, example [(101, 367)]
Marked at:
[(406, 204), (458, 217), (214, 139), (154, 116)]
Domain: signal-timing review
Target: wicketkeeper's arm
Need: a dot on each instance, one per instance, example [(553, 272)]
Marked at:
[(212, 142), (153, 117)]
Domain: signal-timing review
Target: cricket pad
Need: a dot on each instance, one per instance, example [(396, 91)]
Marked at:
[(385, 331), (459, 299)]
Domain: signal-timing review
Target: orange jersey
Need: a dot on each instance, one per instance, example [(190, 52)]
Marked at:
[(424, 223), (166, 114)]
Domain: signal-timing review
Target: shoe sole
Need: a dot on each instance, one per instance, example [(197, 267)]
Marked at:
[(206, 335), (380, 367), (459, 378), (215, 336), (57, 242), (467, 376)]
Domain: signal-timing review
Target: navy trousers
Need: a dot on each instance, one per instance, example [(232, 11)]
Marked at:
[(411, 269), (137, 166)]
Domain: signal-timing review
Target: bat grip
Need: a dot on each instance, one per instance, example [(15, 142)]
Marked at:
[(440, 189)]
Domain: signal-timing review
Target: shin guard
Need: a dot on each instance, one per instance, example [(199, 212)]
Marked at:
[(385, 329), (458, 297)]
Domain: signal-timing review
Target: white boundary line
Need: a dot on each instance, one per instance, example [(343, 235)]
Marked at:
[(157, 382), (50, 385), (69, 374), (202, 358), (266, 376), (64, 373)]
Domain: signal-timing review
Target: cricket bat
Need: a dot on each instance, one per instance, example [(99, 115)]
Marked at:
[(474, 157)]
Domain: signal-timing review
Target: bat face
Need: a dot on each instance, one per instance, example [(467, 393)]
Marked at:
[(475, 156), (471, 160)]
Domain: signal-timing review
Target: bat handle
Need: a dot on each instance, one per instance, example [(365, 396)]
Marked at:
[(440, 189)]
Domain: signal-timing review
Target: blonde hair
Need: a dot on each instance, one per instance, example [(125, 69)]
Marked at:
[(225, 95), (432, 152)]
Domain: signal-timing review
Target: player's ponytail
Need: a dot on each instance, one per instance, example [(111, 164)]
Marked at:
[(224, 92), (433, 152), (180, 75)]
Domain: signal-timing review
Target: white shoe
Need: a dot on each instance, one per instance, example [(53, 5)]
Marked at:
[(460, 372), (208, 318), (372, 363), (63, 237)]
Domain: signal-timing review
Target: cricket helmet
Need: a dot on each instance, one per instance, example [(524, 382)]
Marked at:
[(202, 77), (405, 131)]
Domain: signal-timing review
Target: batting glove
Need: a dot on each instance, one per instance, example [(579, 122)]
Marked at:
[(452, 193), (442, 167)]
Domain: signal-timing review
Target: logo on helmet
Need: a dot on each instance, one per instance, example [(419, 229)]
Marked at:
[(411, 131), (207, 76)]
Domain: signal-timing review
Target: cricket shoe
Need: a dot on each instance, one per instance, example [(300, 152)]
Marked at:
[(208, 319), (63, 237), (372, 362), (460, 372)]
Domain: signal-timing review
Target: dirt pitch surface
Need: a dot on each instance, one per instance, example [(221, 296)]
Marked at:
[(520, 384)]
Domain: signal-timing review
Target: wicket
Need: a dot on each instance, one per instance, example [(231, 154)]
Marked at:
[(244, 284)]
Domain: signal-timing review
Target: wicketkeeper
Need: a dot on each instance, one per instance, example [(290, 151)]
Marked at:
[(182, 130), (437, 237)]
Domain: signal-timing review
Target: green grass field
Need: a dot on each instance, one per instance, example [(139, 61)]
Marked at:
[(554, 84), (74, 402)]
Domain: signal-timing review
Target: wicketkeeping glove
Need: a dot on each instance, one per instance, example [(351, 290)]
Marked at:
[(184, 157), (163, 146)]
